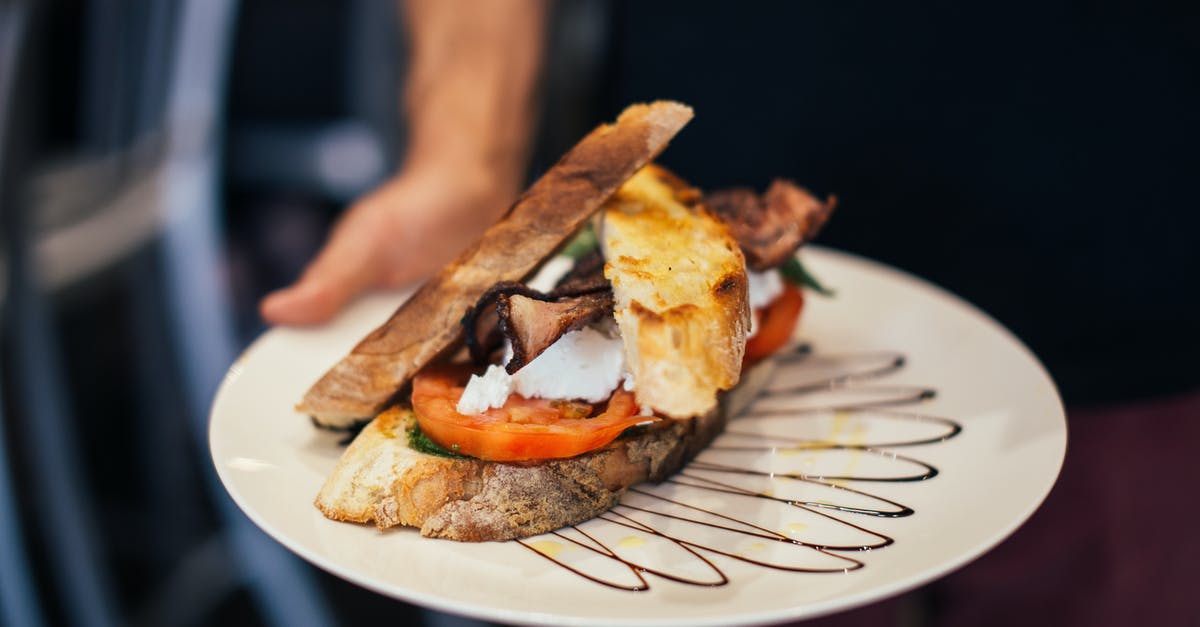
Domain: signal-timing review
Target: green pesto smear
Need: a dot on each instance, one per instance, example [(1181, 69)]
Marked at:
[(418, 441)]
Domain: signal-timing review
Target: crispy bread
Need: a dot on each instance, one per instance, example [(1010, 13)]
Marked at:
[(381, 479), (362, 384), (679, 282)]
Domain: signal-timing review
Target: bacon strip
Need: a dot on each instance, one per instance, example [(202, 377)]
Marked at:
[(481, 324), (531, 320), (587, 271), (769, 228), (532, 325)]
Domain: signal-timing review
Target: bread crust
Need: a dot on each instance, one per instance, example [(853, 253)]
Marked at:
[(364, 382), (680, 287), (381, 479)]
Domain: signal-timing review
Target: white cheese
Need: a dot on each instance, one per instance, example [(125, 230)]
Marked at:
[(764, 287), (585, 364), (485, 392), (548, 275)]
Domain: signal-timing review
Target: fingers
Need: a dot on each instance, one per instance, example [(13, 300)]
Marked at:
[(404, 230), (345, 267), (300, 304)]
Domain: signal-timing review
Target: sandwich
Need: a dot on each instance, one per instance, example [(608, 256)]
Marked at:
[(507, 399)]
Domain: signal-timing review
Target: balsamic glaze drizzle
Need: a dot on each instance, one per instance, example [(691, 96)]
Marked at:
[(670, 512)]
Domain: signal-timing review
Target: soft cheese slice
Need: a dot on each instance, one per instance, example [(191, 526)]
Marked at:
[(679, 281)]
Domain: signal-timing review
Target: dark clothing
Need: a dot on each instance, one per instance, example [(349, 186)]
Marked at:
[(1038, 159)]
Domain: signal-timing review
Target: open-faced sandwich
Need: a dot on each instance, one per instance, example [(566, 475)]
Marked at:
[(581, 375)]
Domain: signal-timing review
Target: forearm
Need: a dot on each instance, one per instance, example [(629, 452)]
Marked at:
[(469, 100), (471, 87)]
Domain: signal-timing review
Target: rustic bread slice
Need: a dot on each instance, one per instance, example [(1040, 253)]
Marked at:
[(667, 252), (362, 384), (382, 479), (679, 282)]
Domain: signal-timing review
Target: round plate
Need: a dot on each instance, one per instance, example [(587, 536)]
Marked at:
[(851, 450)]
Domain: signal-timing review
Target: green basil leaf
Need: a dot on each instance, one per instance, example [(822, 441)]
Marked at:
[(795, 273), (583, 243)]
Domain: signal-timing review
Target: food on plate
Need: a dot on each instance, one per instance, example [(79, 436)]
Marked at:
[(769, 228), (596, 374), (364, 382)]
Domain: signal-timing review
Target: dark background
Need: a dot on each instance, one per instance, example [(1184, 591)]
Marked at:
[(1036, 158)]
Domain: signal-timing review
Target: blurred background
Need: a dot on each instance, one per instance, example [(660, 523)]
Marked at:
[(163, 165)]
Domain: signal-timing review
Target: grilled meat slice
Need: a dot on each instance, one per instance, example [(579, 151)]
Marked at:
[(533, 324), (770, 227)]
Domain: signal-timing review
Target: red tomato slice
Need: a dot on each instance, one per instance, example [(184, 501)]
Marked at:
[(523, 429), (776, 323)]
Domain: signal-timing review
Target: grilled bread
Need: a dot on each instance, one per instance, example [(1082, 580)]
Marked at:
[(679, 284), (381, 478), (364, 382)]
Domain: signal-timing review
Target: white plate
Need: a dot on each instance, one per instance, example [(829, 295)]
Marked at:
[(991, 477)]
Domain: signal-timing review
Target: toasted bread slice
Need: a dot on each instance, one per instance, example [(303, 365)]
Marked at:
[(382, 479), (679, 282), (364, 382)]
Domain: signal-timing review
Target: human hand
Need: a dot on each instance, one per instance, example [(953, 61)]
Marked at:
[(405, 229), (469, 102)]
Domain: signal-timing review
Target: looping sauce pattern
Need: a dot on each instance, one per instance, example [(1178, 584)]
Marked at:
[(787, 487)]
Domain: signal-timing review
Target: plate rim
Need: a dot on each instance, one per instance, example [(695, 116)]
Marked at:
[(826, 607)]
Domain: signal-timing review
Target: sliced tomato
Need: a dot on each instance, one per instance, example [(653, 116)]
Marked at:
[(776, 322), (523, 429)]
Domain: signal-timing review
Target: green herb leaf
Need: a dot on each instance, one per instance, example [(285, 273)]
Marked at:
[(583, 243), (418, 441), (794, 272)]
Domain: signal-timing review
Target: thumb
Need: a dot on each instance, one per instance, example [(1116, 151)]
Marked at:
[(303, 303), (342, 270)]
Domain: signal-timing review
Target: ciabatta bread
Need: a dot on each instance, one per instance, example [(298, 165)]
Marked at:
[(364, 382), (382, 479), (679, 285)]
